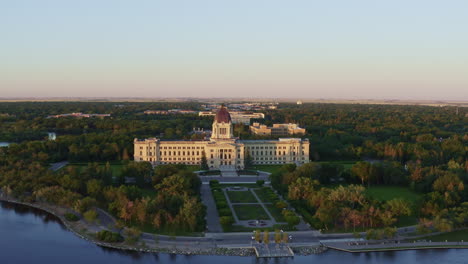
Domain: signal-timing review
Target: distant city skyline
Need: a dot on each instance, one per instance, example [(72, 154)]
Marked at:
[(407, 50)]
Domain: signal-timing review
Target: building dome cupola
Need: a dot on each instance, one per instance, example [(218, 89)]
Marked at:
[(223, 116)]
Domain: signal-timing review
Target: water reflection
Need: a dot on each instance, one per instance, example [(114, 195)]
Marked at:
[(46, 241)]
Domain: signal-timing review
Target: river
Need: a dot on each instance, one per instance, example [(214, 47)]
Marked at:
[(29, 235)]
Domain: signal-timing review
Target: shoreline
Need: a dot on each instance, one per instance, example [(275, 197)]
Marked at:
[(246, 250)]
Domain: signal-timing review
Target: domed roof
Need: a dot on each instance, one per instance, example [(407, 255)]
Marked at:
[(223, 116)]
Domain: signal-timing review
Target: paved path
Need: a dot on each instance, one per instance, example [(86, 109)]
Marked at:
[(212, 217), (273, 220), (391, 245), (58, 165), (234, 215)]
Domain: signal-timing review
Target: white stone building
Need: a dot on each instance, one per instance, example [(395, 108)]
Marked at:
[(223, 150)]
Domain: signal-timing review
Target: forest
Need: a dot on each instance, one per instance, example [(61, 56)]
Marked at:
[(422, 148)]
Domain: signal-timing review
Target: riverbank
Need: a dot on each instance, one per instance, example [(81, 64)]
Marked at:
[(152, 243), (364, 247), (209, 245)]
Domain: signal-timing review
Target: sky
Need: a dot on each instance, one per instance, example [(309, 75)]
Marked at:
[(360, 49)]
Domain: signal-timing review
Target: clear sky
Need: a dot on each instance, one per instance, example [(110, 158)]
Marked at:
[(359, 49)]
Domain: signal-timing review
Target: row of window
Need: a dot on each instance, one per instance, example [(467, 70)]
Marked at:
[(181, 147), (272, 153), (178, 153), (272, 147)]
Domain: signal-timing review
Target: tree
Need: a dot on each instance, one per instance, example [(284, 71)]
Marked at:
[(226, 221), (94, 188), (362, 170), (302, 188), (125, 155), (277, 236), (204, 162), (266, 237), (398, 207), (90, 215), (247, 160)]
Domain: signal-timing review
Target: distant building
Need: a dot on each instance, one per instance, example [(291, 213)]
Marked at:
[(171, 111), (237, 117), (80, 115), (222, 150), (277, 129), (299, 102)]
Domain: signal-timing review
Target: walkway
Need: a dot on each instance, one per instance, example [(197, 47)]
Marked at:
[(212, 217), (273, 250), (58, 165), (367, 246)]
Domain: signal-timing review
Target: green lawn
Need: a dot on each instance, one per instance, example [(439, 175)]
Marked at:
[(347, 164), (266, 195), (267, 168), (275, 212), (250, 212), (454, 236), (248, 185), (385, 193), (236, 228), (241, 197)]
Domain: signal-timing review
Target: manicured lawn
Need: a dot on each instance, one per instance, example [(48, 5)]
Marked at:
[(250, 212), (248, 185), (241, 197), (454, 236), (385, 193), (236, 228), (346, 163), (267, 168), (266, 195), (275, 212)]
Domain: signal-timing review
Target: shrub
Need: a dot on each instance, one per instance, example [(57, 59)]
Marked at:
[(90, 215), (108, 236), (132, 235), (214, 183), (226, 221), (71, 217), (260, 182), (225, 212), (221, 205), (85, 204), (281, 205)]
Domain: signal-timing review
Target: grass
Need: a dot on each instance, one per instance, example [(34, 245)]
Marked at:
[(248, 185), (250, 212), (266, 195), (347, 164), (236, 228), (267, 168), (385, 193), (454, 236), (275, 212), (241, 197)]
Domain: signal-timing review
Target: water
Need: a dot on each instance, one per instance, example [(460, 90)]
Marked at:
[(4, 144), (31, 236)]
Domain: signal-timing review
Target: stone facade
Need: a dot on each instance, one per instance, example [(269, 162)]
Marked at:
[(277, 129), (223, 150)]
